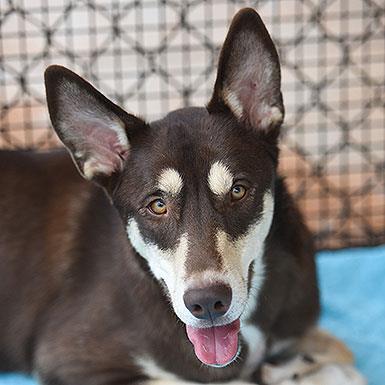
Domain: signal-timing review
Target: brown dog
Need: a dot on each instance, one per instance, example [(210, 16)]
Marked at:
[(199, 270)]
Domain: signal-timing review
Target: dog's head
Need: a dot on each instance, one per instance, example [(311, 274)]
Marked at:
[(195, 189)]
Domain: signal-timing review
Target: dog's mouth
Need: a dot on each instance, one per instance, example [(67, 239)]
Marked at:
[(217, 345)]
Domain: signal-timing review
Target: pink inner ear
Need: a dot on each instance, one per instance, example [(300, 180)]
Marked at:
[(255, 103), (248, 95), (100, 148)]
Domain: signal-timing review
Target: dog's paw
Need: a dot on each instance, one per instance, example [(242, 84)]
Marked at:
[(331, 374), (321, 359)]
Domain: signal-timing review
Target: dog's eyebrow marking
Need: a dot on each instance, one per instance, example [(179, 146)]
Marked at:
[(220, 178), (170, 181)]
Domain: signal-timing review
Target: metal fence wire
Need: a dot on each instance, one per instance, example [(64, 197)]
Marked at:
[(153, 56)]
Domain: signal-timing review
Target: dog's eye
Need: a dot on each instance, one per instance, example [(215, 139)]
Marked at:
[(158, 207), (238, 192)]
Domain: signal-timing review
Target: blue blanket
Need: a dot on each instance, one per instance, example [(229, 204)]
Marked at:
[(352, 285), (353, 298)]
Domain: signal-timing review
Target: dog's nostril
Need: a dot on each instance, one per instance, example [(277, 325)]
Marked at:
[(208, 302), (219, 306), (197, 309)]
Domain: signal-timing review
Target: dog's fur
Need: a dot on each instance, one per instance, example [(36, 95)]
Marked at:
[(92, 293)]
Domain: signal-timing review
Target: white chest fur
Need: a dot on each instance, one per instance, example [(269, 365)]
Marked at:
[(256, 345)]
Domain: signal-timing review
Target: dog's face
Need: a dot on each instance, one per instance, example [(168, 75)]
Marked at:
[(197, 201), (195, 189)]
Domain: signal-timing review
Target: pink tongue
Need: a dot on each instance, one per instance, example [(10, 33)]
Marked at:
[(216, 345)]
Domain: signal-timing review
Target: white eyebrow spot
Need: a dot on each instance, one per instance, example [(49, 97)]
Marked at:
[(170, 181), (220, 178)]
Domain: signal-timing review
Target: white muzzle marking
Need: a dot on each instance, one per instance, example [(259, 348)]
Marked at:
[(237, 256), (167, 265)]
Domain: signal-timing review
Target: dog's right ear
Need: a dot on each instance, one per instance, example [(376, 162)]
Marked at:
[(94, 129)]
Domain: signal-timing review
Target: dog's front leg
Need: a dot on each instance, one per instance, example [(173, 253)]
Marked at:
[(112, 380), (141, 382), (181, 382)]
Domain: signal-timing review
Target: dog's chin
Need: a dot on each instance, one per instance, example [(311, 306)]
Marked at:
[(216, 346)]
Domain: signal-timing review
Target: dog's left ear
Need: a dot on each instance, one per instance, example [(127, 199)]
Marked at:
[(249, 80)]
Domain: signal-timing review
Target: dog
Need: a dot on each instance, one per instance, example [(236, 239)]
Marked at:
[(185, 261)]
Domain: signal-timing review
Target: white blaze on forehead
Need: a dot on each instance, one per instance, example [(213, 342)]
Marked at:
[(220, 178), (170, 181)]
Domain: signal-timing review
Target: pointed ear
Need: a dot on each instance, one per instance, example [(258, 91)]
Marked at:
[(249, 80), (95, 130)]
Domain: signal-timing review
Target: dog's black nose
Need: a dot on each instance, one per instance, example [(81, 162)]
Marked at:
[(208, 302)]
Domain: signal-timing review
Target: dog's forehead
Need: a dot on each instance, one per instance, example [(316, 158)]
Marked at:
[(196, 159), (190, 151), (196, 144)]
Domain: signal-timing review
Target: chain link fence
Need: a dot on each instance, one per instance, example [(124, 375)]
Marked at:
[(154, 56)]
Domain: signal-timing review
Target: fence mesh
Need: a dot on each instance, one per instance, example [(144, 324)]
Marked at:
[(154, 56)]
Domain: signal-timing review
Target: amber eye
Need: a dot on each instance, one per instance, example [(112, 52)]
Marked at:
[(158, 207), (237, 192)]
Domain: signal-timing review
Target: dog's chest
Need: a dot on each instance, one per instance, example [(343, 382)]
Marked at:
[(256, 347)]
